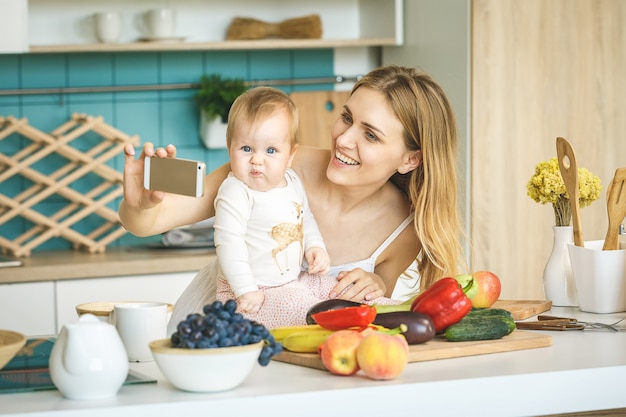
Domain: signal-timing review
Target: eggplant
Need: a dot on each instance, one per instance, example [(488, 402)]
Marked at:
[(327, 305), (420, 327)]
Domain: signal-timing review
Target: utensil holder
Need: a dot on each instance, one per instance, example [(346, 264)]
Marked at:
[(600, 277)]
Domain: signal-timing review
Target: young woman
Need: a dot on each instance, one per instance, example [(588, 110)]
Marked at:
[(392, 164)]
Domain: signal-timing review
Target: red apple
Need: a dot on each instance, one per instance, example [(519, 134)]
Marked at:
[(482, 287), (338, 352), (382, 356)]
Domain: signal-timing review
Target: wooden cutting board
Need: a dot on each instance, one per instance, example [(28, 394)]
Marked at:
[(440, 348), (523, 309)]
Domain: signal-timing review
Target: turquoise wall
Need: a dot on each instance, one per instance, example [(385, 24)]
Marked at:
[(161, 117)]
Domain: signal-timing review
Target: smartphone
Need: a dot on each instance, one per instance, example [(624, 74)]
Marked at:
[(173, 175)]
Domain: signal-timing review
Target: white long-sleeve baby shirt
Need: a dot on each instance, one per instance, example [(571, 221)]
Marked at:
[(261, 236)]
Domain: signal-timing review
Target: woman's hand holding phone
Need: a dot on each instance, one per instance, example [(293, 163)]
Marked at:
[(135, 195)]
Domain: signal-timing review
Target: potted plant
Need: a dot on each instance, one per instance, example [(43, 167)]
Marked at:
[(214, 98)]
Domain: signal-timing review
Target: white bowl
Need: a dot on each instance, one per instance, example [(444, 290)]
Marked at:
[(205, 370)]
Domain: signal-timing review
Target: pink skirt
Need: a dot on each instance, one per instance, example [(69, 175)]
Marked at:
[(287, 305)]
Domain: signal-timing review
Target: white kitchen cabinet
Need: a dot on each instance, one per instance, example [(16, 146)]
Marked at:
[(42, 308), (157, 287), (28, 308), (67, 25)]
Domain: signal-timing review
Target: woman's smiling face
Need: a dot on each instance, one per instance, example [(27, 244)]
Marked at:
[(368, 141)]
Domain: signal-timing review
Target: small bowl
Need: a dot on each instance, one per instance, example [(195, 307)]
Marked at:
[(10, 343), (205, 370), (102, 309)]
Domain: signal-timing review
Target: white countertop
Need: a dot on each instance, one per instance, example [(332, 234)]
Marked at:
[(581, 371)]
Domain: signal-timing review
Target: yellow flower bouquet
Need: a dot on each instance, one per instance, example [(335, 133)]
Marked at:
[(547, 186)]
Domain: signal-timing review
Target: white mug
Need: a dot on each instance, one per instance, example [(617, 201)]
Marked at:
[(108, 26), (138, 324), (160, 23)]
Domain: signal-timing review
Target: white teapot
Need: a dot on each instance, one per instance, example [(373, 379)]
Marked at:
[(88, 360)]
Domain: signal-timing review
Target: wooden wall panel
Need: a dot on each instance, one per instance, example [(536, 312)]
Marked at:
[(540, 69), (318, 112)]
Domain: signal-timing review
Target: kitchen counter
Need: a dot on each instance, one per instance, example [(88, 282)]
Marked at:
[(581, 371), (60, 265)]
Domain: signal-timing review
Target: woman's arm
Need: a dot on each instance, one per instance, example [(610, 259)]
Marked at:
[(146, 213), (394, 260), (397, 257)]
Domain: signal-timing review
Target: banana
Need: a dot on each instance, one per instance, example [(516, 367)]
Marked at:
[(280, 333), (306, 341), (390, 308)]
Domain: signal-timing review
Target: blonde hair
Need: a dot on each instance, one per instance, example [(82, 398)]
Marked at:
[(429, 124), (257, 104)]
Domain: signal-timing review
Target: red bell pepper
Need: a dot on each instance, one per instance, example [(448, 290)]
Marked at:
[(346, 318), (444, 302)]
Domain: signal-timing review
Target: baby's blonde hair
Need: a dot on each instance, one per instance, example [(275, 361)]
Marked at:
[(257, 104)]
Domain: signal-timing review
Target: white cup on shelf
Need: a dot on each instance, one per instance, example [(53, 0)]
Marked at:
[(160, 23), (108, 26)]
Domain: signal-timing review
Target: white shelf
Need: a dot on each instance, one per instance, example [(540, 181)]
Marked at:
[(223, 45), (67, 25)]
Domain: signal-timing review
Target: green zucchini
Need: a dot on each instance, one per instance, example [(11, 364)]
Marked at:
[(480, 328)]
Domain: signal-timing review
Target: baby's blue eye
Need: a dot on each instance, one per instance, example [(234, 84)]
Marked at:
[(246, 148), (271, 150)]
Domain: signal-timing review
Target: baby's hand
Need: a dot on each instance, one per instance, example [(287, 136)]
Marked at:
[(318, 260), (250, 302)]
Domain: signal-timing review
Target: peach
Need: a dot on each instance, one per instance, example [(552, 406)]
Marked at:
[(382, 356), (338, 352)]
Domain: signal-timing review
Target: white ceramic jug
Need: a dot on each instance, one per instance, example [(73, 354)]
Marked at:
[(88, 360)]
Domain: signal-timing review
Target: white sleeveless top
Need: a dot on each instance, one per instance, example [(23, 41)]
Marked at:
[(407, 284)]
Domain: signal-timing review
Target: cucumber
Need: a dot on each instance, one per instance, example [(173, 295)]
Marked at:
[(482, 312), (508, 320), (480, 328)]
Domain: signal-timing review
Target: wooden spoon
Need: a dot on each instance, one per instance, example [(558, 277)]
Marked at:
[(616, 207), (569, 172)]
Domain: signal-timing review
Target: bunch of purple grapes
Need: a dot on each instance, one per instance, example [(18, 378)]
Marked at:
[(222, 326)]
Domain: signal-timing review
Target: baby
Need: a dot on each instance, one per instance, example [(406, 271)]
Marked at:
[(263, 224)]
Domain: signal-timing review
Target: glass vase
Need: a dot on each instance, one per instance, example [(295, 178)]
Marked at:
[(558, 279)]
